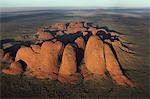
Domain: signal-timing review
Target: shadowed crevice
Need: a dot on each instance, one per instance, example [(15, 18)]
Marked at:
[(23, 64), (116, 57)]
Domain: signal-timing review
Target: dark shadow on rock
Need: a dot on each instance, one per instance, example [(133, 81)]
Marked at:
[(6, 41), (116, 57), (108, 36), (108, 30), (68, 38), (79, 55), (23, 64), (86, 37), (53, 32), (90, 24), (103, 35), (13, 50)]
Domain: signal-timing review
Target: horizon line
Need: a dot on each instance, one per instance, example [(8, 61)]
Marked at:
[(18, 9), (71, 7)]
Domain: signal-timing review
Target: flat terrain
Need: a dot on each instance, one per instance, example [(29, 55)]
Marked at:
[(133, 22)]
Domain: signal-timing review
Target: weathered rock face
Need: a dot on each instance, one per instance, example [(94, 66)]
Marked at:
[(14, 69), (94, 56), (44, 36), (49, 56), (27, 55), (113, 67), (86, 73), (68, 68), (36, 48), (80, 42), (43, 64), (68, 65)]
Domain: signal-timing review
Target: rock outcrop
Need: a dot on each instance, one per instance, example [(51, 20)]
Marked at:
[(113, 67), (80, 43), (44, 36), (36, 48), (14, 69), (68, 69), (74, 27), (94, 56), (59, 26), (42, 64), (90, 51)]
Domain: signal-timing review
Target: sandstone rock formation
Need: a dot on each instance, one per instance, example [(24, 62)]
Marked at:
[(87, 75), (90, 51), (80, 42), (36, 48), (122, 51), (42, 64), (114, 69), (76, 24), (50, 52), (14, 69), (59, 26), (44, 36), (119, 45), (74, 27), (94, 56), (68, 69)]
